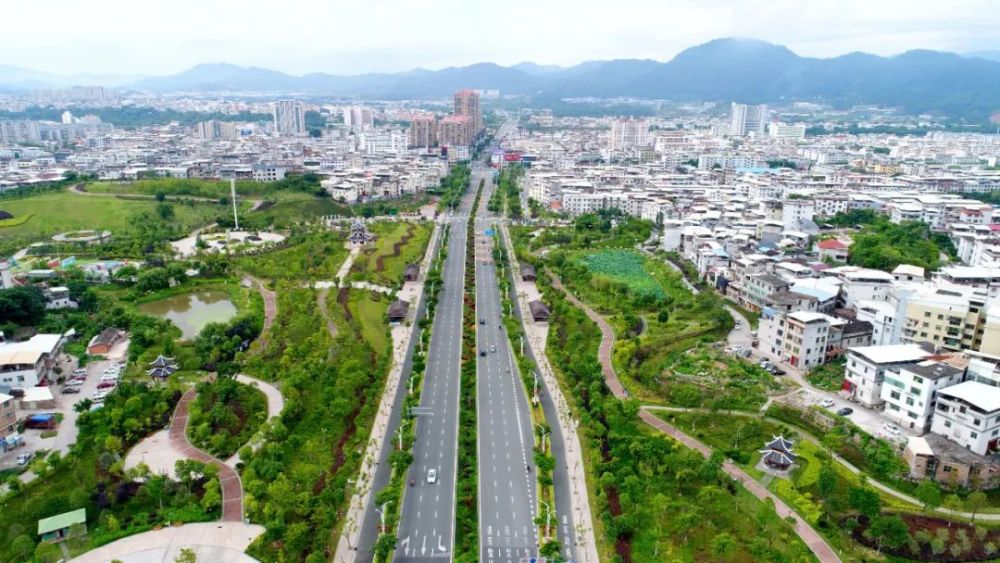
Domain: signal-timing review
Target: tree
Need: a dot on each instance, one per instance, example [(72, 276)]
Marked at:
[(930, 494), (23, 545), (187, 555), (827, 480), (954, 503), (160, 196), (975, 502), (47, 553), (723, 545), (23, 306), (890, 531), (865, 501)]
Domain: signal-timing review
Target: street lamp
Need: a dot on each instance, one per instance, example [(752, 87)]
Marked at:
[(548, 516), (543, 432)]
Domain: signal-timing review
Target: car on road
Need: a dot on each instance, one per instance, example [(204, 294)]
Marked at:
[(826, 403), (493, 348), (846, 411), (432, 476), (482, 353), (482, 321), (23, 459), (891, 428)]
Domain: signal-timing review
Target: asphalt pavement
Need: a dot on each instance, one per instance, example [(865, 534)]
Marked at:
[(427, 524), (507, 504)]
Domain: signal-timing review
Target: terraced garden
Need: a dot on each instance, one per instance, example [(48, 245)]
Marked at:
[(399, 243)]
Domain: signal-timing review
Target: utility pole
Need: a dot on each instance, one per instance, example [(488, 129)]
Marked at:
[(232, 194)]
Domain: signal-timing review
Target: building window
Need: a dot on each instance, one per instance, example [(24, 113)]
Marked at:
[(946, 469), (947, 424), (973, 435)]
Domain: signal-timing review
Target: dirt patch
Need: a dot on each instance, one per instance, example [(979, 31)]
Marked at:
[(342, 296), (396, 249)]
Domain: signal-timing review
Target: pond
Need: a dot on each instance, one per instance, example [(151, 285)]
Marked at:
[(190, 312)]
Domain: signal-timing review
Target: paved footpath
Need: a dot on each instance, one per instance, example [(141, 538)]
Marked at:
[(809, 536), (232, 487)]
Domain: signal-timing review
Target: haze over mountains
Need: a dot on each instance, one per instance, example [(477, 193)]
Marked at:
[(724, 69)]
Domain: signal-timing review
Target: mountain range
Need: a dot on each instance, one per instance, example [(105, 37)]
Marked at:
[(743, 70)]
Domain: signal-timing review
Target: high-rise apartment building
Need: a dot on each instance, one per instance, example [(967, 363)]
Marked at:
[(747, 119), (358, 117), (628, 133), (467, 104), (289, 117), (214, 129), (423, 131), (455, 130)]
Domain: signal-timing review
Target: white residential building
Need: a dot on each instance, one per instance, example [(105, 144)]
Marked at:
[(747, 119), (910, 395), (969, 415), (868, 365)]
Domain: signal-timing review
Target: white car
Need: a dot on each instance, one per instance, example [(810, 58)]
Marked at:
[(432, 476), (826, 403), (891, 428)]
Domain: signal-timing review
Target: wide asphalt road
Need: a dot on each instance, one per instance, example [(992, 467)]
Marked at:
[(427, 525), (507, 533)]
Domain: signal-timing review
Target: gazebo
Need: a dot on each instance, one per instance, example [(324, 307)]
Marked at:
[(161, 367), (778, 453)]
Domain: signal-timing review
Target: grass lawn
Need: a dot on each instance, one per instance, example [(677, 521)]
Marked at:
[(56, 212), (312, 257), (399, 243), (369, 308), (829, 376)]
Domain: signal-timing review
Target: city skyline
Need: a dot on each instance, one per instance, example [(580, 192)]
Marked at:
[(553, 33)]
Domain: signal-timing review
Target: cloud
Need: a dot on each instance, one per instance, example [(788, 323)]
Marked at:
[(353, 36)]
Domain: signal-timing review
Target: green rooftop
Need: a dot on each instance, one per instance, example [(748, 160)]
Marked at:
[(60, 521)]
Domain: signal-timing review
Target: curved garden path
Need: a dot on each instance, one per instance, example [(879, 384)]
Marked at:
[(232, 486), (275, 404), (809, 536)]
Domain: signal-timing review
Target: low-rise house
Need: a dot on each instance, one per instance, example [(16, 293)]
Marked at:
[(935, 458), (831, 250), (102, 343), (527, 272), (26, 364), (8, 416), (868, 365), (56, 528), (969, 415), (911, 395)]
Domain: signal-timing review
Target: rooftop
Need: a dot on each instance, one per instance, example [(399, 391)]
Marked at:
[(60, 521), (933, 370), (984, 397), (892, 354)]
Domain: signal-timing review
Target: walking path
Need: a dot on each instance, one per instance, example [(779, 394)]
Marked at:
[(537, 336), (270, 309), (324, 312), (275, 404), (211, 541), (811, 537), (401, 334), (232, 486), (346, 266)]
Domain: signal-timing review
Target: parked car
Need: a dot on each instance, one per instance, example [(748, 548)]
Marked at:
[(106, 384), (70, 390), (432, 476), (777, 371), (826, 403), (846, 411), (890, 428), (23, 459)]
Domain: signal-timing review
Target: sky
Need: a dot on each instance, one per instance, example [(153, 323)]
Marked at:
[(156, 37)]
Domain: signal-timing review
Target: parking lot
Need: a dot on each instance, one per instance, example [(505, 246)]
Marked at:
[(64, 403), (871, 421)]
